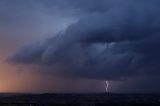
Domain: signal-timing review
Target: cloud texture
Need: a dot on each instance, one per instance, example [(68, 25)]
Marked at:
[(111, 40)]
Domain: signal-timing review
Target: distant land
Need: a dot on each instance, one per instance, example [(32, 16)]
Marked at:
[(97, 99)]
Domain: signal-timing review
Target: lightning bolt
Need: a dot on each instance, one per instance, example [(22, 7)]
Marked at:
[(107, 85)]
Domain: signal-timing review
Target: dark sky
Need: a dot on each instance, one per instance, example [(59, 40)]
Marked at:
[(82, 43)]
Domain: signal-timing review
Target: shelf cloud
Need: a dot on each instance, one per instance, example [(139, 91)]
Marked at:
[(111, 40)]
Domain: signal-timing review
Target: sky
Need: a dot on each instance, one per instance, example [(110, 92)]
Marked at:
[(67, 46)]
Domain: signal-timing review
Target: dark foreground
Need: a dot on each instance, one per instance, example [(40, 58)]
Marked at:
[(81, 100)]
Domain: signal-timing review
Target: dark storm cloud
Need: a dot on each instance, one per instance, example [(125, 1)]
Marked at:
[(112, 40), (28, 11), (30, 20)]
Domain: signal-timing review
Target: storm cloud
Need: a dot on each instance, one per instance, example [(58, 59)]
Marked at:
[(111, 40)]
